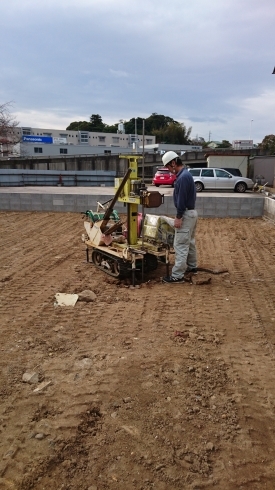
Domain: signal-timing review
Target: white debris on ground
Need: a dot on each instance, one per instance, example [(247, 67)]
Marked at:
[(63, 299)]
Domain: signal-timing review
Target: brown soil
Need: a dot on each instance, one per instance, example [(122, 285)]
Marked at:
[(156, 387)]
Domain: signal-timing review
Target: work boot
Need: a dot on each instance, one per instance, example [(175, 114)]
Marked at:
[(172, 280), (191, 270)]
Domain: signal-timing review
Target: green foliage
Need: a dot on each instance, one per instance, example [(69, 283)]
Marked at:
[(133, 124), (79, 126), (151, 123), (224, 144), (96, 123), (268, 144), (174, 133), (157, 122), (163, 127), (111, 129), (199, 141)]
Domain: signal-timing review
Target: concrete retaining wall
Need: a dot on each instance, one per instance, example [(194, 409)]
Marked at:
[(269, 209), (17, 178), (208, 206)]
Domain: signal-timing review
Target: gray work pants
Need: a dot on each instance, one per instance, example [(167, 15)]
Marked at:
[(185, 244)]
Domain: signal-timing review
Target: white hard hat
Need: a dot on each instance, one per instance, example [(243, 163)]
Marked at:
[(168, 157)]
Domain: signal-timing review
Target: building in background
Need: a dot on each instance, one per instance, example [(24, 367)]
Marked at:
[(54, 142), (161, 148), (214, 144), (242, 144)]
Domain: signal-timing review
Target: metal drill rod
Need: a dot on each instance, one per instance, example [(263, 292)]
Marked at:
[(109, 211)]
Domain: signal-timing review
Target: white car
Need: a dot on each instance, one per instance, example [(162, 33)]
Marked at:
[(217, 178)]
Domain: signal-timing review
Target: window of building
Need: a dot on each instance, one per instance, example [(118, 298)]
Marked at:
[(38, 150), (63, 151), (149, 141), (84, 137), (63, 135), (115, 139), (101, 138), (26, 131), (47, 134)]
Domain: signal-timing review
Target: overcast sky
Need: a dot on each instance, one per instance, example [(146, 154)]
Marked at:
[(206, 64)]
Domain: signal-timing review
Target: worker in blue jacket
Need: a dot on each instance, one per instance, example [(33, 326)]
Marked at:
[(185, 221)]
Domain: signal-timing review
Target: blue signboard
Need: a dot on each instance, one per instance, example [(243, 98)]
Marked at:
[(37, 139)]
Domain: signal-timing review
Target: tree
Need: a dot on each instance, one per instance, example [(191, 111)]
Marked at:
[(111, 129), (79, 126), (224, 144), (268, 144), (133, 124), (199, 141), (174, 133), (163, 127), (157, 122), (96, 123), (8, 124)]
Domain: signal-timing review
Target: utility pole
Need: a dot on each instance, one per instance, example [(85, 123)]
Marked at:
[(250, 128), (209, 136)]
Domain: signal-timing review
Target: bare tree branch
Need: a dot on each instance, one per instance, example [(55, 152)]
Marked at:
[(8, 124)]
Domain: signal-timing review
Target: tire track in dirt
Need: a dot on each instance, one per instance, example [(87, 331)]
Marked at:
[(131, 405), (140, 442), (253, 362), (37, 271), (240, 291)]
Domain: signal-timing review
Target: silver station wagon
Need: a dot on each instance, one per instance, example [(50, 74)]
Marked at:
[(219, 179)]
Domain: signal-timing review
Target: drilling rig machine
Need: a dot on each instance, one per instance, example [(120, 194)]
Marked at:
[(112, 251)]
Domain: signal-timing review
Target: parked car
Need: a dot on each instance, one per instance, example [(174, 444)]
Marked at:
[(163, 177), (217, 178)]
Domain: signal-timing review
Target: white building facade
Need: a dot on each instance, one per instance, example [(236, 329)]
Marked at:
[(54, 142), (242, 144)]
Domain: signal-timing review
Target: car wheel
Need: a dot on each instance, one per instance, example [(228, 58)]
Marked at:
[(199, 186), (240, 187), (157, 185), (173, 185)]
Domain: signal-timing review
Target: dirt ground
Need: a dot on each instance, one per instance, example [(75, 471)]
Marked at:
[(157, 387)]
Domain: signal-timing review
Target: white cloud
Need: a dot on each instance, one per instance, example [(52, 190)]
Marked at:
[(259, 109), (47, 119), (118, 73), (205, 64)]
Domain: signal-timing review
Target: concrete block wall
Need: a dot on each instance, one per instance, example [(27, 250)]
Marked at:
[(49, 202), (218, 206), (269, 209)]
